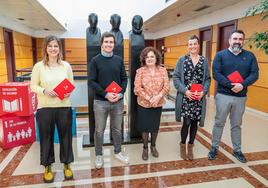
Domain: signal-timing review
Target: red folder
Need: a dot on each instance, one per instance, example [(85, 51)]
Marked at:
[(235, 77), (196, 88), (63, 88), (113, 88)]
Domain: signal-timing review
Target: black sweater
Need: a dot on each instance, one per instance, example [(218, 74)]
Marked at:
[(226, 63), (103, 70)]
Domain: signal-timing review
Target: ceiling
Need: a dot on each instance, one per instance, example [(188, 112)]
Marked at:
[(34, 14), (186, 10)]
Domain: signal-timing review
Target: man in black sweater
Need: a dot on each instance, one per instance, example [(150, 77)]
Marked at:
[(231, 95), (106, 68)]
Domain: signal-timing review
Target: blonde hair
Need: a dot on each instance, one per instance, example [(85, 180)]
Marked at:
[(47, 40)]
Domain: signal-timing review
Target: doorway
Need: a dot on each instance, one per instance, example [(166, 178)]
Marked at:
[(160, 46), (10, 55), (224, 31), (206, 43)]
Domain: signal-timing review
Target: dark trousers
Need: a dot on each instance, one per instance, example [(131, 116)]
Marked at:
[(188, 123), (47, 118)]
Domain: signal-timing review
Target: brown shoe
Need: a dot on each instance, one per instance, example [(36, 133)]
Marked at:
[(183, 151), (190, 153), (154, 151), (145, 154)]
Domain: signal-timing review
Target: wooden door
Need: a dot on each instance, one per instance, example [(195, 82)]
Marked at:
[(224, 31), (149, 43), (10, 55), (160, 45), (206, 43)]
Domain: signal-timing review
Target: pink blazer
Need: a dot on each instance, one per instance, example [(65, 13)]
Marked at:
[(146, 86)]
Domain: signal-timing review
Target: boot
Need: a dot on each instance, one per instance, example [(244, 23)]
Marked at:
[(183, 151), (154, 151), (145, 154), (48, 176), (68, 173), (190, 153)]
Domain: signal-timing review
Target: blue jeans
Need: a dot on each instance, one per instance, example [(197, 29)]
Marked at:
[(101, 111), (235, 106)]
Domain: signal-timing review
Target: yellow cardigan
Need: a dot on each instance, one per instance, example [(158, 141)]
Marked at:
[(44, 77)]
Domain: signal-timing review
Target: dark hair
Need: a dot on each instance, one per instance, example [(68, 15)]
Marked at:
[(145, 52), (238, 31), (192, 37), (47, 40), (106, 35)]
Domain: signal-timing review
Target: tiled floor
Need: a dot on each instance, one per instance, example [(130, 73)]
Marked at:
[(20, 166)]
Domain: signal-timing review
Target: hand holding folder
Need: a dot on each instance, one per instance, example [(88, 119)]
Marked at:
[(196, 88), (63, 88), (113, 88), (235, 77)]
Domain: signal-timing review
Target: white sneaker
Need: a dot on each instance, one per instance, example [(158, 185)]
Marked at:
[(99, 161), (122, 158)]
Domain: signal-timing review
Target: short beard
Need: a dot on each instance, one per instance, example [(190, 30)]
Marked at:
[(236, 47)]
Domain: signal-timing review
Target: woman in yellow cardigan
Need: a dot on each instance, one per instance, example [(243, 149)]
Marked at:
[(46, 75)]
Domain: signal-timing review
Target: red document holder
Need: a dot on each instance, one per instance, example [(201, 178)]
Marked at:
[(196, 88), (113, 88), (63, 88), (235, 77)]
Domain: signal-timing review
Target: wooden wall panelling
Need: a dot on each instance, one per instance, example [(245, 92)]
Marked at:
[(257, 98), (23, 52), (2, 50), (24, 63), (75, 43), (3, 67), (170, 63), (180, 39), (39, 42), (1, 35), (39, 48), (252, 24), (3, 78), (76, 53), (263, 75), (214, 33), (126, 51), (260, 55), (22, 39)]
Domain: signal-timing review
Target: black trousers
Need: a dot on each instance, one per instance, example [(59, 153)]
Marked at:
[(47, 118), (188, 123)]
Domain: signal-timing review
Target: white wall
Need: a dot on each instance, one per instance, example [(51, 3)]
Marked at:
[(74, 14), (226, 14)]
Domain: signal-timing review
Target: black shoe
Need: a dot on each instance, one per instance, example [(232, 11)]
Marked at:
[(239, 156), (212, 153)]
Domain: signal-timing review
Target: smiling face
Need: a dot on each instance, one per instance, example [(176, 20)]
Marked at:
[(150, 59), (236, 41), (53, 49), (107, 45), (193, 46)]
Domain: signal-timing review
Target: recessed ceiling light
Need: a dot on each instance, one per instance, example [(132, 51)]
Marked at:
[(202, 8), (46, 29), (21, 19)]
